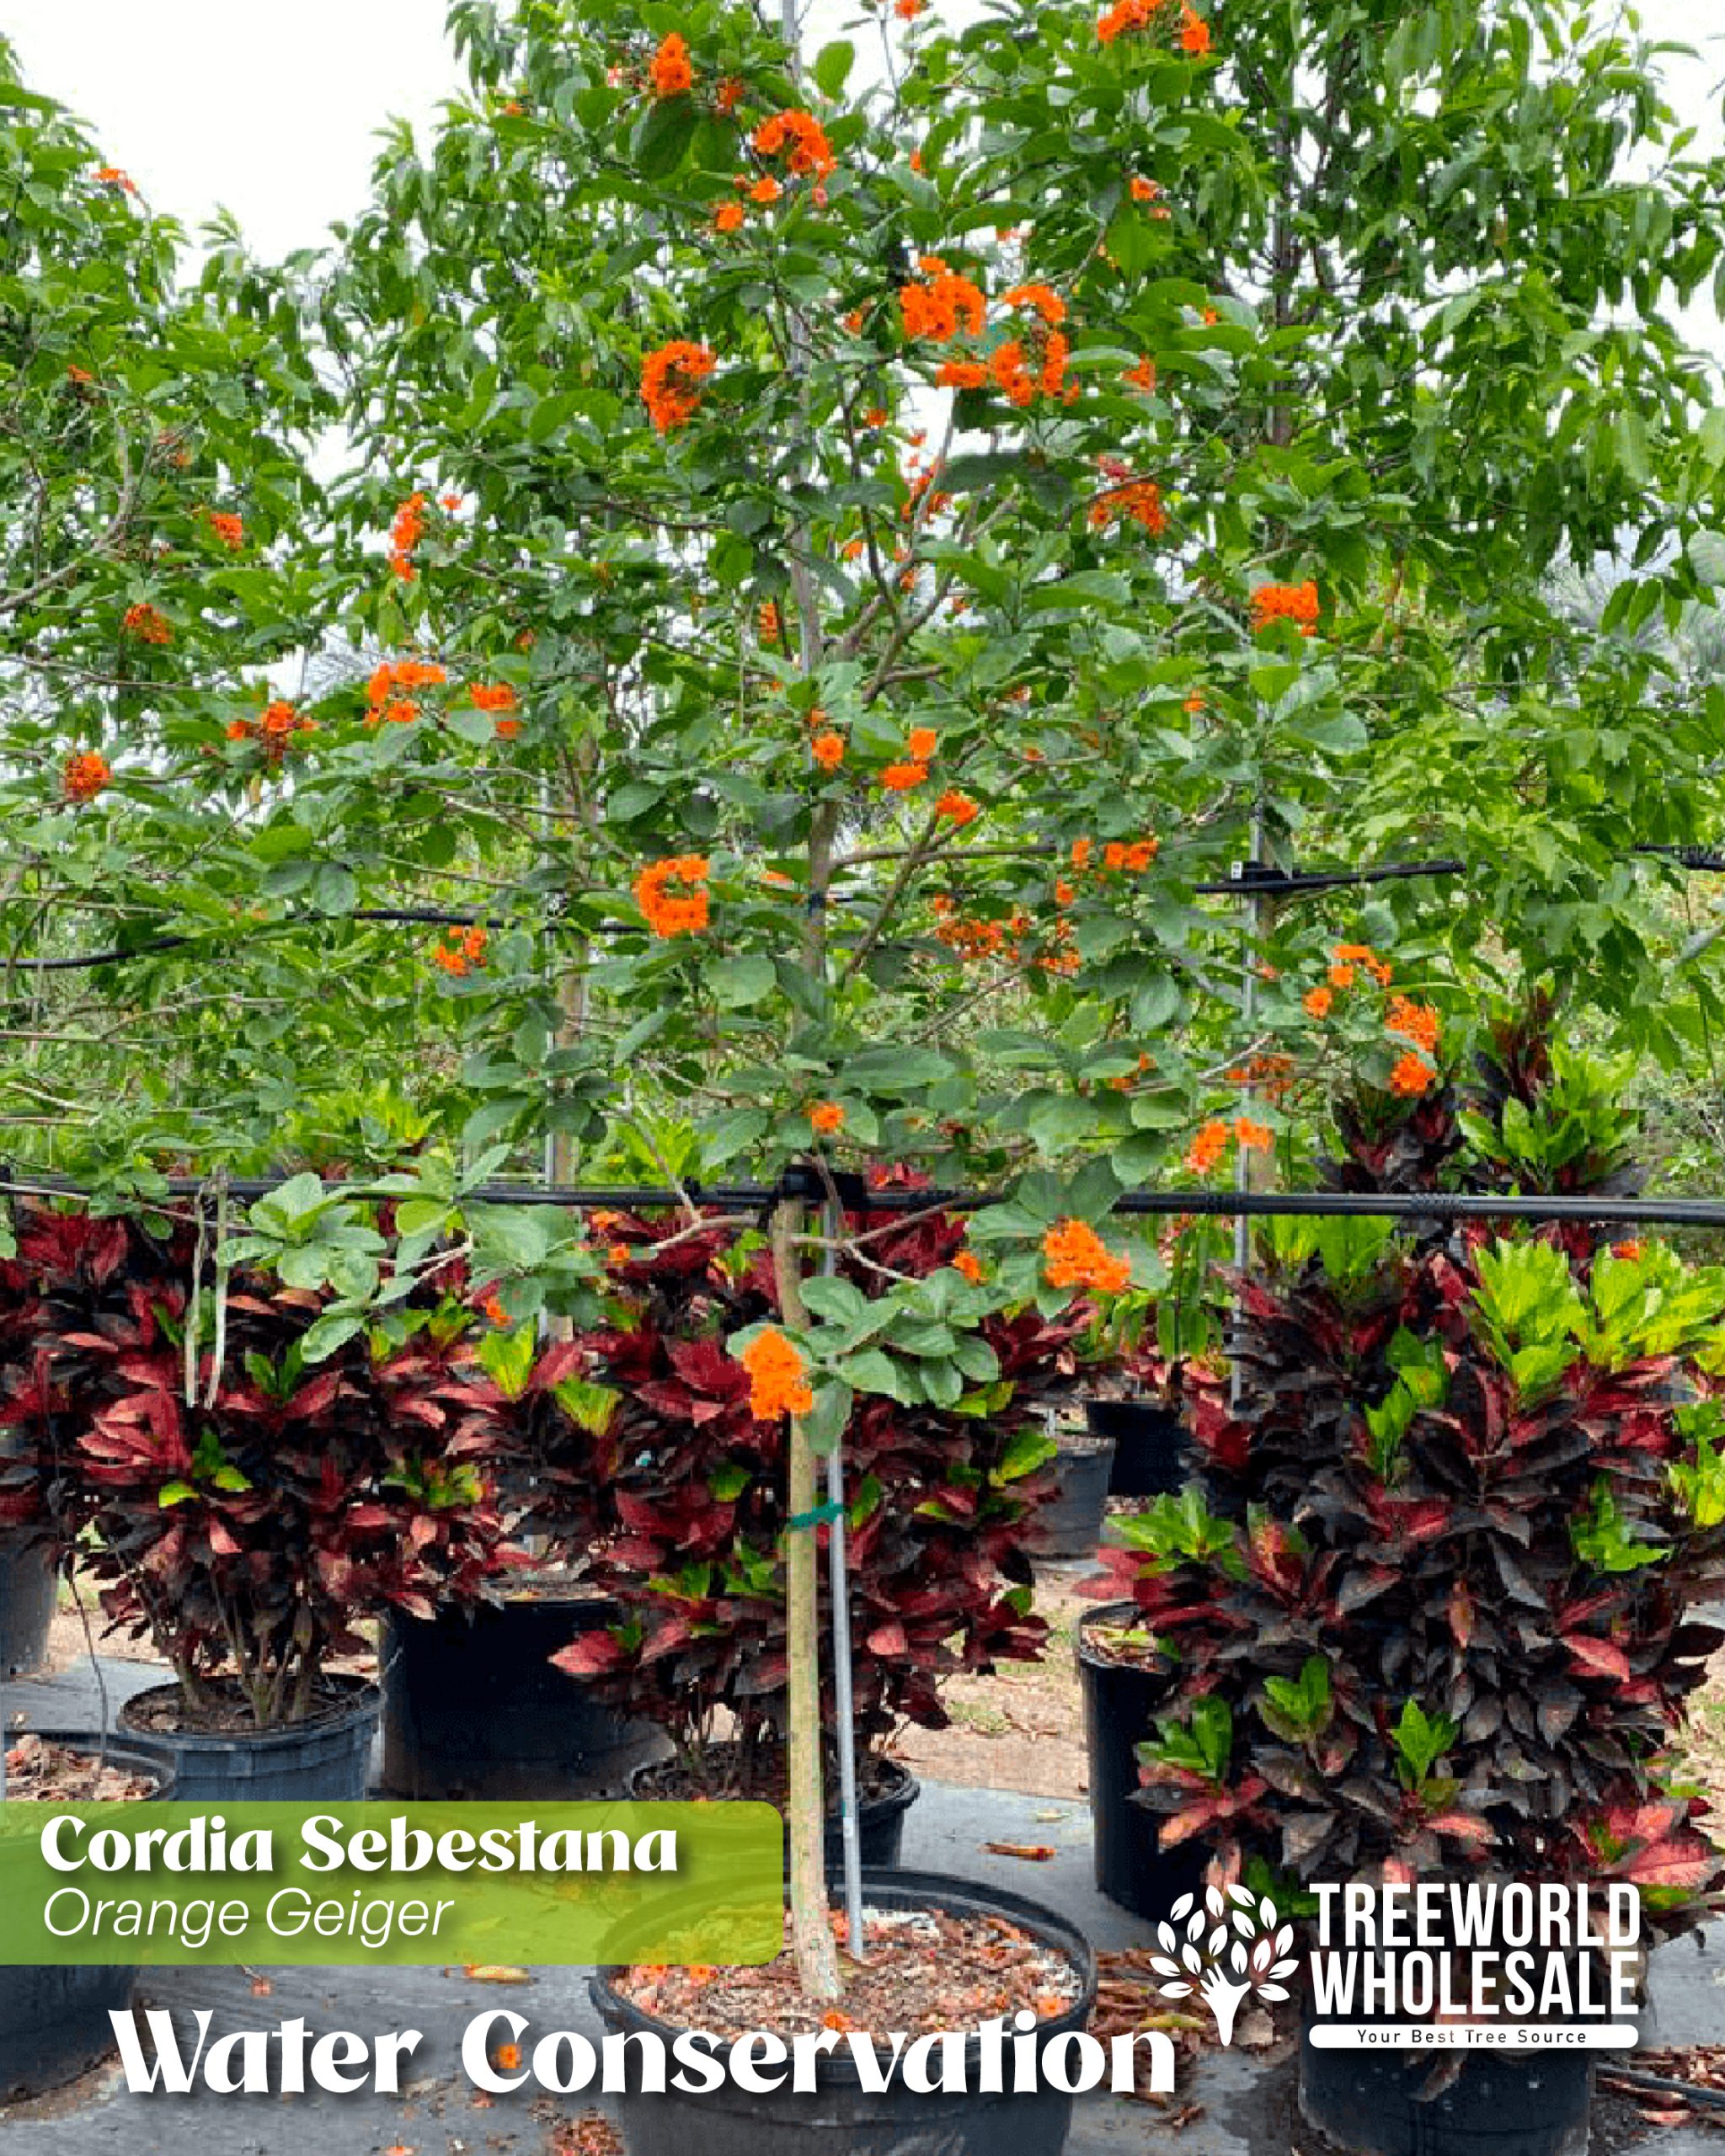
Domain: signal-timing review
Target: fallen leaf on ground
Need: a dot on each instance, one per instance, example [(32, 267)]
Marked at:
[(495, 1973), (1031, 1852)]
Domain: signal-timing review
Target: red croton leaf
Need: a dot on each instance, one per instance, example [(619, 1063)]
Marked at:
[(1597, 1655)]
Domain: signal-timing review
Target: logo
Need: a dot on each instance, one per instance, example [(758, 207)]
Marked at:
[(1233, 1951)]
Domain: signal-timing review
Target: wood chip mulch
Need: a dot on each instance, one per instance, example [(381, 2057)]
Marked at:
[(1700, 2065), (39, 1771)]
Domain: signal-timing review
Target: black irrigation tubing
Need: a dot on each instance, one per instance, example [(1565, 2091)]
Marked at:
[(1661, 2084), (812, 1182), (1255, 877)]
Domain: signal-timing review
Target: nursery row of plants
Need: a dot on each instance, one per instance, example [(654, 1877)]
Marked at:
[(728, 622)]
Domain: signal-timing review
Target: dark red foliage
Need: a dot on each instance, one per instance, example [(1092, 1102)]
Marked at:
[(693, 1491), (248, 1535)]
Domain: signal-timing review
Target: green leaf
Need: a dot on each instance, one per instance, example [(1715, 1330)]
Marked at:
[(832, 64)]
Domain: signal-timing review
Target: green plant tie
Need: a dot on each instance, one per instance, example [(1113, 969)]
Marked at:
[(821, 1517)]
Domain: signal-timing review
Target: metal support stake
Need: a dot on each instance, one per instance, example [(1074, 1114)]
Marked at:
[(843, 1692), (1251, 934)]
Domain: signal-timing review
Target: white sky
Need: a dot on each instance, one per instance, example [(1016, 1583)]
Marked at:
[(272, 112)]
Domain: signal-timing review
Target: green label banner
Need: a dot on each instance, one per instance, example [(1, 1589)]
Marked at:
[(338, 1884)]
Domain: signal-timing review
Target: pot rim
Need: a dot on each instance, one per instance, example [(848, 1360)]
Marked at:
[(1106, 1613), (903, 1794), (365, 1703), (895, 1889)]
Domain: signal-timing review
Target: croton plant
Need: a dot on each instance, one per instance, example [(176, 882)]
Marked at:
[(648, 1425), (246, 1507), (1429, 1603)]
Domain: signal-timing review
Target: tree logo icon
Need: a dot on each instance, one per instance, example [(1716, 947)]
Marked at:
[(1227, 1955)]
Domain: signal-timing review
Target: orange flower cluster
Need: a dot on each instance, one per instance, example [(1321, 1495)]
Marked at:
[(1074, 1255), (229, 529), (827, 1118), (383, 697), (146, 625), (904, 778), (777, 1377), (683, 911), (492, 695), (1214, 1140), (1411, 1077), (972, 939), (405, 533), (669, 382), (907, 11), (276, 728), (1317, 1000), (112, 176), (84, 776), (1139, 500), (729, 217), (802, 135), (828, 750), (765, 190), (942, 303), (970, 1265), (1136, 857), (1274, 1073), (1415, 1022), (1147, 14), (670, 73), (766, 622), (728, 96), (1286, 602), (959, 807), (1046, 300), (461, 950), (1347, 956)]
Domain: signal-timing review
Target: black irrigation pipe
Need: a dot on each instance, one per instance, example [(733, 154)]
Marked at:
[(1661, 2084), (1254, 878), (856, 1195)]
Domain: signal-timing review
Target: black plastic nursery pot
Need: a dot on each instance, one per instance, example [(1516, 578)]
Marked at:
[(1509, 2103), (325, 1759), (880, 1817), (1121, 1700), (1069, 1525), (839, 2117), (474, 1708), (28, 1586), (54, 2023), (1149, 1445)]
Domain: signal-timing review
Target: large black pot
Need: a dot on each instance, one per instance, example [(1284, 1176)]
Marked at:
[(1502, 2104), (474, 1708), (1121, 1703), (1149, 1445), (28, 1585), (1069, 1525), (324, 1759), (880, 1817), (838, 2118), (54, 2023)]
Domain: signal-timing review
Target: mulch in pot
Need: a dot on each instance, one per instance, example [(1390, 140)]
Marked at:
[(1124, 1646), (164, 1711), (927, 1971), (722, 1772), (40, 1771)]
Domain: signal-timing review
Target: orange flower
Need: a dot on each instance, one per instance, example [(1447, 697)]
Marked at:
[(728, 96), (828, 750), (1143, 376), (1144, 190), (1064, 892), (112, 176), (1080, 853), (1246, 1132), (1341, 976), (729, 217), (81, 375), (229, 529), (405, 535), (670, 73), (462, 949), (1629, 1251), (1207, 1148), (766, 622), (1418, 1022), (1074, 1255), (1318, 1001), (238, 729), (907, 11), (961, 374), (901, 778), (803, 135), (1140, 499), (1362, 954), (940, 307), (970, 1265), (492, 695), (1288, 602), (915, 160), (1411, 1077), (1194, 703), (958, 807), (148, 626), (682, 912), (766, 188), (827, 1118), (507, 729), (669, 380), (1195, 31), (84, 777), (494, 1310), (1046, 300), (777, 1377), (920, 743)]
